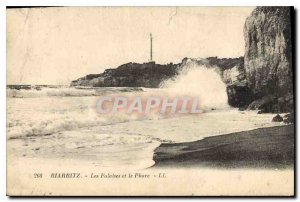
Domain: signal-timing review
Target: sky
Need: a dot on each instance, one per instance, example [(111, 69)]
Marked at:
[(58, 45)]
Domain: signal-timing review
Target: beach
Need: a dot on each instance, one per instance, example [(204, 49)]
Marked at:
[(208, 173), (262, 148)]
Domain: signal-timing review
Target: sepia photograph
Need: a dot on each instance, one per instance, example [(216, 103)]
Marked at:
[(150, 101)]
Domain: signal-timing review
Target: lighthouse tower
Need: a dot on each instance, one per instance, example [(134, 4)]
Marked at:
[(151, 54)]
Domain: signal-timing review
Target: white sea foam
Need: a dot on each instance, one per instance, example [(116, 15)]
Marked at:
[(67, 92), (199, 81), (47, 115)]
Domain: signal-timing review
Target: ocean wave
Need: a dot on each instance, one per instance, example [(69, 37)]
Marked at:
[(35, 119), (199, 81), (47, 91)]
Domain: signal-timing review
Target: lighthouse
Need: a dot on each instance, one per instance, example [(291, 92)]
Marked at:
[(151, 54)]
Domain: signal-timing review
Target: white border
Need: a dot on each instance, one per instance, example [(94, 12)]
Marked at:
[(5, 3), (150, 3)]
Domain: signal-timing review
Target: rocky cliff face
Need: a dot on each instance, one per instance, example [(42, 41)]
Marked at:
[(268, 57)]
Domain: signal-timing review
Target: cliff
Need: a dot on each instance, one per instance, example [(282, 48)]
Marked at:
[(268, 58)]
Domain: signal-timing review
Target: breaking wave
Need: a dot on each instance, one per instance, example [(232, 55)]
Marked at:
[(199, 81), (67, 91), (40, 117)]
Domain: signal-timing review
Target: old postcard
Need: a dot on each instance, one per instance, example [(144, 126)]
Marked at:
[(150, 101)]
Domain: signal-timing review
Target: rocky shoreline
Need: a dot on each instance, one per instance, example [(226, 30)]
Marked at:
[(261, 80)]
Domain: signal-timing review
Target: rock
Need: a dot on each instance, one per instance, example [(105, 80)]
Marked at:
[(268, 59), (277, 118), (264, 104), (242, 108), (130, 75), (289, 118), (286, 103), (268, 51), (284, 106), (239, 96), (275, 108), (152, 75), (271, 104)]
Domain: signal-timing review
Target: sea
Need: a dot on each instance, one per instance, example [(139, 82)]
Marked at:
[(62, 122)]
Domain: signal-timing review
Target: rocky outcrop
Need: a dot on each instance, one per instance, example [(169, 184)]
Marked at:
[(151, 74), (130, 75), (231, 70), (277, 118), (289, 118), (239, 95), (268, 58)]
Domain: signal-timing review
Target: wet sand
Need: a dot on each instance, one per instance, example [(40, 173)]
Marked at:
[(271, 147)]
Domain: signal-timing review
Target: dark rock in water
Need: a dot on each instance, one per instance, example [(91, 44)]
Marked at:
[(242, 108), (277, 118), (289, 118), (239, 96), (264, 104), (271, 104)]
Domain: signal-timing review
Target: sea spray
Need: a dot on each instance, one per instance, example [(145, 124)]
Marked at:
[(67, 113), (199, 81), (195, 85)]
